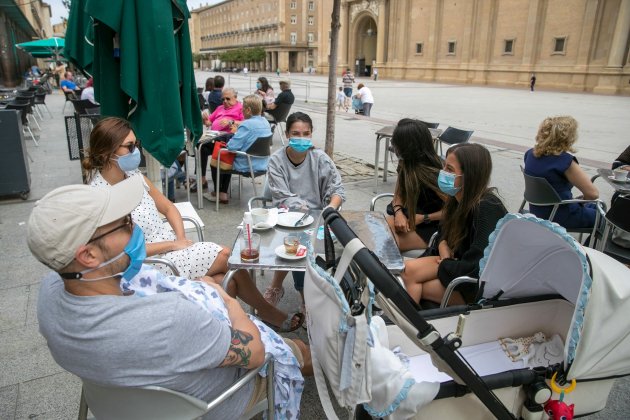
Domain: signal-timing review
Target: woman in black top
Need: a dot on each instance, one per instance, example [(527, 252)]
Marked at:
[(469, 217), (417, 192)]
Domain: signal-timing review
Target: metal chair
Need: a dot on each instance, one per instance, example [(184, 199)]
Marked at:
[(81, 107), (260, 149), (69, 96), (40, 99), (279, 115), (30, 101), (21, 108), (158, 403), (430, 125), (616, 218), (452, 136), (539, 192)]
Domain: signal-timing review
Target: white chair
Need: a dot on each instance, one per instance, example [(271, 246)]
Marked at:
[(158, 403)]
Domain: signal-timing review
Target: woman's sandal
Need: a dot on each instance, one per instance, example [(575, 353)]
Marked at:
[(287, 323), (193, 187), (273, 295)]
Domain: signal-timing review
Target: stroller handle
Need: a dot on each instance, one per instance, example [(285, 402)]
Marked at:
[(386, 283)]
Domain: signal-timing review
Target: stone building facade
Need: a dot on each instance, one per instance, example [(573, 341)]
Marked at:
[(286, 29), (568, 44)]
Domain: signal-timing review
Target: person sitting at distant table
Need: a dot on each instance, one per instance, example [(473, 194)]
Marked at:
[(88, 92), (222, 119), (550, 159), (248, 131), (67, 84), (265, 91)]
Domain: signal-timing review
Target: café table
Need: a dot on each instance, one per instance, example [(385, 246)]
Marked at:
[(620, 187), (371, 227), (387, 133)]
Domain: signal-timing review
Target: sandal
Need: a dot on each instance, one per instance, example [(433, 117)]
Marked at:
[(193, 187), (273, 295), (287, 323)]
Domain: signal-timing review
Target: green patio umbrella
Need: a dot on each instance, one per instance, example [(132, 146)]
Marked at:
[(44, 48), (142, 67)]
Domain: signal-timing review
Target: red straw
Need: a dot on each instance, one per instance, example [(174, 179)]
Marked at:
[(249, 237)]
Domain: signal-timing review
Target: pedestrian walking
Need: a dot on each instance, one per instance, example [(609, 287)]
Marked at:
[(278, 71), (341, 100), (347, 80), (375, 72), (532, 82)]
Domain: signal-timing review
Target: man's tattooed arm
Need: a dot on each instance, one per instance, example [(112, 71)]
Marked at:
[(239, 354)]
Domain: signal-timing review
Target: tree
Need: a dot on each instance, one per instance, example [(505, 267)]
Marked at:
[(332, 79)]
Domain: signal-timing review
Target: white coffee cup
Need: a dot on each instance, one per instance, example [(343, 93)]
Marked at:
[(620, 174), (259, 215)]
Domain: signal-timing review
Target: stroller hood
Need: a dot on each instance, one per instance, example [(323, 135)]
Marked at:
[(528, 257)]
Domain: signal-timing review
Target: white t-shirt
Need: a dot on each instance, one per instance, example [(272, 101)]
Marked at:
[(366, 95)]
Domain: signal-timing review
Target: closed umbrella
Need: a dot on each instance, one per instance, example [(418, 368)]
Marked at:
[(44, 48), (142, 67)]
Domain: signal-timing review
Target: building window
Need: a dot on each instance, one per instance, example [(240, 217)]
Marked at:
[(311, 37), (293, 5), (508, 47), (559, 45), (311, 20), (419, 47), (451, 48), (293, 19), (293, 38), (311, 5)]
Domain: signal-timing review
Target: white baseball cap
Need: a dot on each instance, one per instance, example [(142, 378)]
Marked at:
[(67, 217)]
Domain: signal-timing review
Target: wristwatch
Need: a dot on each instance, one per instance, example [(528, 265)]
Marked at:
[(426, 218)]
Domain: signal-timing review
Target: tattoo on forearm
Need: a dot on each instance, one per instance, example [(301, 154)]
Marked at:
[(239, 353)]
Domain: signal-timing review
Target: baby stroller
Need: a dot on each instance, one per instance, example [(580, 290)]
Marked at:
[(534, 278), (357, 105)]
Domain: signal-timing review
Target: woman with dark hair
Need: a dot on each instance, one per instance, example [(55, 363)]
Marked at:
[(550, 159), (301, 177), (208, 89), (114, 156), (416, 208), (265, 91), (470, 215)]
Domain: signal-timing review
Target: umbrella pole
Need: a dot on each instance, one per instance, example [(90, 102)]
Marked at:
[(153, 170)]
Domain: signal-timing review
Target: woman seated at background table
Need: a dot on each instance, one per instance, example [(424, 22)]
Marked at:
[(265, 91), (301, 177), (114, 156), (417, 192), (222, 119), (248, 131), (470, 215), (550, 159)]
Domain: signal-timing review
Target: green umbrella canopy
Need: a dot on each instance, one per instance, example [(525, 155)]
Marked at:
[(142, 67), (43, 48)]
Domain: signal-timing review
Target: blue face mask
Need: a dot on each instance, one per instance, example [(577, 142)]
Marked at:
[(258, 85), (300, 144), (135, 250), (446, 183), (130, 161)]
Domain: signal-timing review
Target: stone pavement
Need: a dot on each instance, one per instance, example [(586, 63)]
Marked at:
[(33, 386)]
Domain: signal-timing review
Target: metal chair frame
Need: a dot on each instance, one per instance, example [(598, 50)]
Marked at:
[(21, 108), (453, 136), (279, 115), (261, 148), (158, 403), (616, 218)]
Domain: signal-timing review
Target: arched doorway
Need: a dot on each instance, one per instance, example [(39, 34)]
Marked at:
[(364, 45)]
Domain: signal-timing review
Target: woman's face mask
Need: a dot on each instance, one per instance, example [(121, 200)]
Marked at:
[(130, 161), (446, 183), (300, 144), (258, 85)]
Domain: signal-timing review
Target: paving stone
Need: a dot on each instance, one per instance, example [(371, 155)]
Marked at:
[(13, 304), (8, 401), (54, 397)]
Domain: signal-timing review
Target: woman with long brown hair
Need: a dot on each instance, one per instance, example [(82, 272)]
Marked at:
[(416, 208), (469, 217), (114, 156)]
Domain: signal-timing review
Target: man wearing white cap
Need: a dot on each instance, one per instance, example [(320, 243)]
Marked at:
[(284, 97), (103, 335)]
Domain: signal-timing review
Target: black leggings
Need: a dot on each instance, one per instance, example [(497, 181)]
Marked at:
[(224, 182), (204, 153)]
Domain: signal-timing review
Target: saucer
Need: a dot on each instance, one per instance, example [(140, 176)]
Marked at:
[(619, 181), (282, 254), (272, 220)]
